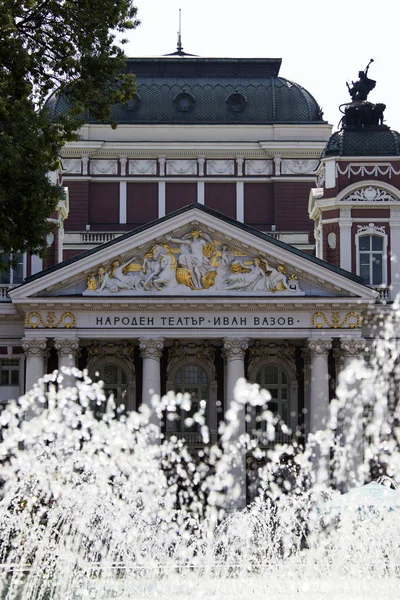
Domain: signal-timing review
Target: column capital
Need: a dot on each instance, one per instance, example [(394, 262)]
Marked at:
[(351, 348), (35, 346), (151, 348), (66, 346), (235, 349), (319, 347)]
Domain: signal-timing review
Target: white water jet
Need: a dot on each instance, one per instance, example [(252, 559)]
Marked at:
[(108, 508)]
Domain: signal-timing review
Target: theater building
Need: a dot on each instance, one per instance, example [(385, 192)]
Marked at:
[(220, 231)]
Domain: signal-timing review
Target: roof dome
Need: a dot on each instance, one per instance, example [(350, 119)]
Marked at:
[(381, 141), (197, 90)]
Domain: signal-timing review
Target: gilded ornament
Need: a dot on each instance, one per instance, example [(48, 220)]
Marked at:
[(34, 319), (351, 318)]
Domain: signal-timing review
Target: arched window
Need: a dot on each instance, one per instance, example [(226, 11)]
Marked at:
[(118, 376), (372, 259), (191, 379)]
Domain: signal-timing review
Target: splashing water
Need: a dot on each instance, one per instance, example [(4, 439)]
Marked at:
[(98, 508)]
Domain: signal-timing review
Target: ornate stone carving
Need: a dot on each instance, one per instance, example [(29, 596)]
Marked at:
[(259, 352), (235, 349), (203, 352), (332, 240), (319, 347), (161, 163), (277, 163), (371, 228), (370, 194), (71, 166), (319, 319), (66, 347), (143, 167), (123, 162), (351, 348), (366, 169), (239, 163), (85, 163), (220, 167), (35, 347), (151, 348), (181, 167), (104, 167), (298, 167), (201, 161), (258, 167), (50, 321), (196, 261)]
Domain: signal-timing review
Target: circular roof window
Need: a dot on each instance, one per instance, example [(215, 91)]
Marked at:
[(133, 103), (184, 102), (236, 102)]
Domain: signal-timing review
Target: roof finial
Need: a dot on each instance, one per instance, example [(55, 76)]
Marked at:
[(179, 46)]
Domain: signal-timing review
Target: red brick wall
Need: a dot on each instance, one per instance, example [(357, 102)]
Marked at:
[(70, 253), (104, 203), (291, 206), (142, 203), (221, 197), (178, 195), (370, 213), (330, 214), (331, 255), (78, 205), (259, 205)]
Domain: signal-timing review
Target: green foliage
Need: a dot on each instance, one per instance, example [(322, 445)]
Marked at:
[(51, 46)]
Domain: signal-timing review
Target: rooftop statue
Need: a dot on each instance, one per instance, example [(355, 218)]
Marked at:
[(359, 113), (360, 89)]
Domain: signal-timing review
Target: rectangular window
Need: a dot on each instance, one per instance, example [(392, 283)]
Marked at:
[(14, 274), (9, 371)]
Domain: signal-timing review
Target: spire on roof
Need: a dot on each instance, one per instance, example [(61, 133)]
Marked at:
[(179, 47)]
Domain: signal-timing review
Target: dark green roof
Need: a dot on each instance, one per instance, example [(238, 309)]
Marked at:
[(363, 142), (217, 215), (208, 85)]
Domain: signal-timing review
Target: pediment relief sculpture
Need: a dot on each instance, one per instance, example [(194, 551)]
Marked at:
[(194, 262)]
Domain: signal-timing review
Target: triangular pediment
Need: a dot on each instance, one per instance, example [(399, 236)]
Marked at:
[(193, 252)]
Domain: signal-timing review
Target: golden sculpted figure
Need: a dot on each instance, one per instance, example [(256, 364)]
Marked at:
[(192, 261)]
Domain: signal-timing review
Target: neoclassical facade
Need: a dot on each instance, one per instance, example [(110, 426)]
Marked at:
[(219, 232)]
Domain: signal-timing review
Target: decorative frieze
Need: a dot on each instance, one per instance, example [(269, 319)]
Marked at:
[(371, 228), (181, 167), (239, 164), (204, 353), (143, 167), (71, 166), (298, 166), (195, 261), (201, 162), (220, 167), (258, 167), (351, 319), (370, 194), (104, 167), (34, 320), (367, 169), (123, 162)]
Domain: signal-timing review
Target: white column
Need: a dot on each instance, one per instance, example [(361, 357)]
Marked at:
[(307, 382), (240, 201), (234, 352), (200, 192), (346, 246), (36, 355), (67, 350), (122, 202), (161, 199), (151, 351), (350, 418), (394, 263), (319, 387)]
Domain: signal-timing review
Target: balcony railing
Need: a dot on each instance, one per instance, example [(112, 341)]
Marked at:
[(4, 292), (384, 292)]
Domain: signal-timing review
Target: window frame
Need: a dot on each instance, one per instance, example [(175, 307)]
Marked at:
[(369, 233)]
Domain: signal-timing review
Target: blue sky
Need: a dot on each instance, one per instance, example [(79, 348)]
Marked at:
[(323, 44)]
